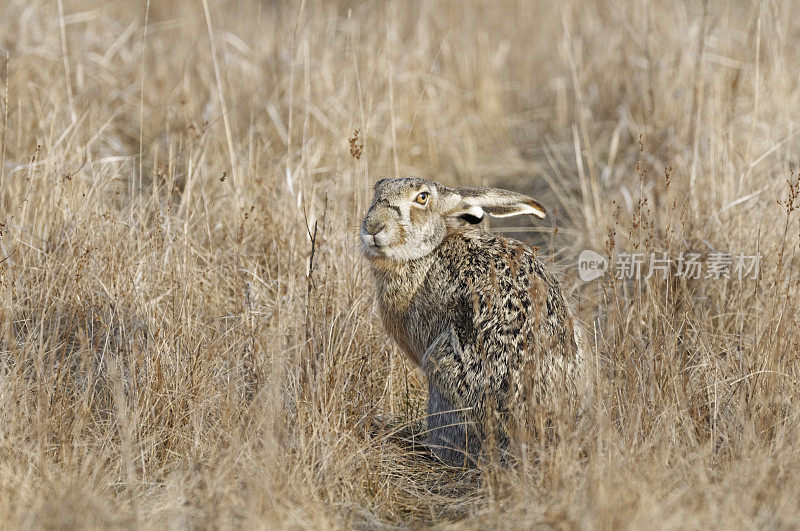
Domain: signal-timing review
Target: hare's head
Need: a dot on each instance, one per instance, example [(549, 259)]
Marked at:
[(410, 217)]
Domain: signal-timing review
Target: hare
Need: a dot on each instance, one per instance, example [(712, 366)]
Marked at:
[(479, 313)]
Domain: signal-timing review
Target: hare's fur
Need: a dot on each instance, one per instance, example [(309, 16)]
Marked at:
[(479, 313)]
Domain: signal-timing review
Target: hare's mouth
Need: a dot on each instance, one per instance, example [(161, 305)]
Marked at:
[(374, 244)]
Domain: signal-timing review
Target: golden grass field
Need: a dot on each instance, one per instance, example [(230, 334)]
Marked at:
[(172, 354)]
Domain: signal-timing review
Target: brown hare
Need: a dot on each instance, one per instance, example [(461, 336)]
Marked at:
[(479, 313)]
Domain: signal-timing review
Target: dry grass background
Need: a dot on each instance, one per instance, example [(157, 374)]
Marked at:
[(171, 354)]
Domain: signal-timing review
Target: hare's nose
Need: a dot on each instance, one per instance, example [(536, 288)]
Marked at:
[(374, 228)]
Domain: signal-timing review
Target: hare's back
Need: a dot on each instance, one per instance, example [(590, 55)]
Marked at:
[(513, 302)]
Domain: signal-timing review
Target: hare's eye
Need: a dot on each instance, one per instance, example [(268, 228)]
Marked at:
[(422, 198)]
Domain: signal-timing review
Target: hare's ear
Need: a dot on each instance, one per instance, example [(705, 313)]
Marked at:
[(472, 214), (496, 202)]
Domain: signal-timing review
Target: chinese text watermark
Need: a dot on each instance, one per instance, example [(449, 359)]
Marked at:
[(643, 266)]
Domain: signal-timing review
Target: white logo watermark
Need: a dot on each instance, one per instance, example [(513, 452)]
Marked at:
[(634, 266), (591, 265)]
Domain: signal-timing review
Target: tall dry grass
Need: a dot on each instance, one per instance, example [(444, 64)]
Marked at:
[(188, 334)]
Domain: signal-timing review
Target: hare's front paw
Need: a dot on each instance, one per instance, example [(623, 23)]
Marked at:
[(451, 436)]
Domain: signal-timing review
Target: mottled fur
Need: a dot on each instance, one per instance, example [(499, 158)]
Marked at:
[(479, 313)]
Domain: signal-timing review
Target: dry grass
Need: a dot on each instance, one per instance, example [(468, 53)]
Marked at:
[(171, 354)]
